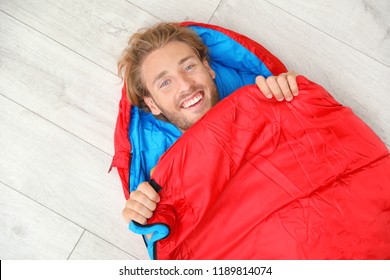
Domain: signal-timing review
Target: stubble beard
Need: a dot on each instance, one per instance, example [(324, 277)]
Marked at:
[(182, 123)]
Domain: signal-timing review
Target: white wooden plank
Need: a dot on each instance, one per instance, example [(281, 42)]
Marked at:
[(91, 247), (31, 231), (185, 10), (58, 84), (95, 29), (353, 78), (65, 174), (365, 25)]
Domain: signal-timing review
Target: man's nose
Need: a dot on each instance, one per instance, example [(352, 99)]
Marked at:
[(185, 84)]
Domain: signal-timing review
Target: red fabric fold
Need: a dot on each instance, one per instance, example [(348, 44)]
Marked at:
[(121, 159)]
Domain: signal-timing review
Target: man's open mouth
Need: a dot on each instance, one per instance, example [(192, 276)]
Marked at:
[(193, 101)]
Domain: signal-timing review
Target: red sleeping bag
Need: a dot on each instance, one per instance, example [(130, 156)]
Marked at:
[(261, 179)]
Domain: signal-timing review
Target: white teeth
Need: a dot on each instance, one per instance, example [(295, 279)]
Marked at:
[(192, 101)]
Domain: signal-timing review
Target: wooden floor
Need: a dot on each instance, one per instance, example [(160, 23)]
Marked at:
[(59, 98)]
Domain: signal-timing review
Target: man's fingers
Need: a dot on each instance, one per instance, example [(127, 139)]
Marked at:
[(269, 87), (130, 215), (141, 199), (262, 84), (284, 87), (272, 83), (148, 190), (292, 82), (137, 211)]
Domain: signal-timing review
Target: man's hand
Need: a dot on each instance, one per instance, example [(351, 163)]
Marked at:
[(283, 87), (141, 204)]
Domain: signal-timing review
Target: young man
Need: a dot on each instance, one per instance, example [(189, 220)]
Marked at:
[(166, 71)]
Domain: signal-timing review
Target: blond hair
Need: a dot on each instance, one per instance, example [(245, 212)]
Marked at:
[(144, 42)]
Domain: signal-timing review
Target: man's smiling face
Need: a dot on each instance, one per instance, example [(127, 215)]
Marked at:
[(181, 85)]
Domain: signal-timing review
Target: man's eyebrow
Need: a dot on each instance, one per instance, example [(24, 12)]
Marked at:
[(181, 61), (163, 73), (159, 76)]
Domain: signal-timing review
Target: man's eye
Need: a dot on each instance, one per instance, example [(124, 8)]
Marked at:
[(165, 83), (188, 68)]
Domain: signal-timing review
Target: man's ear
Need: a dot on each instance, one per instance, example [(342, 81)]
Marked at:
[(152, 105), (207, 65)]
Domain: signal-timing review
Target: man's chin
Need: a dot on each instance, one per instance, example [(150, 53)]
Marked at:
[(186, 118), (186, 122), (194, 119)]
